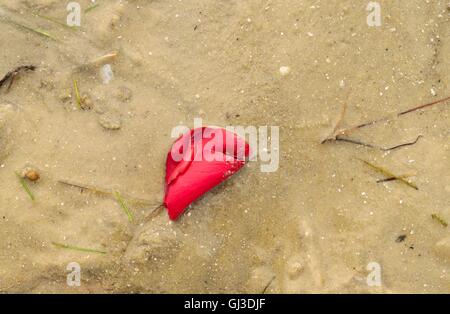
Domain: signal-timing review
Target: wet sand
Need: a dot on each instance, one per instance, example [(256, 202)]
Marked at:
[(312, 226)]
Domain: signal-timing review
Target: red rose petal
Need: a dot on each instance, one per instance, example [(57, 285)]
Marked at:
[(188, 179)]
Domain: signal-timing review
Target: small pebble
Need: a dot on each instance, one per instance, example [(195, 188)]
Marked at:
[(31, 174), (285, 70), (294, 267)]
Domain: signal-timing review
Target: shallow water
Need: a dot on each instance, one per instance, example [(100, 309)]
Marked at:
[(314, 225)]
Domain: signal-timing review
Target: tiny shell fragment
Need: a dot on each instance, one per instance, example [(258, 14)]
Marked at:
[(31, 174)]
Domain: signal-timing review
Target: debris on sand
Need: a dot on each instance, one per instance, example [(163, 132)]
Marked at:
[(124, 206), (30, 174), (77, 248), (84, 102), (389, 174), (12, 75), (34, 30), (98, 62), (25, 186), (77, 93), (104, 191), (91, 7), (340, 134), (439, 219), (268, 285)]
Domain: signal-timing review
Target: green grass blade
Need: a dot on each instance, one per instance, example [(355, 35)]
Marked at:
[(34, 30), (124, 206), (77, 248), (25, 186), (91, 7), (77, 93), (53, 20)]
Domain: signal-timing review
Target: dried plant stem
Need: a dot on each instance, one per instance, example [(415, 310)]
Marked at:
[(362, 125), (424, 106), (97, 62), (439, 219), (268, 285), (338, 133), (155, 212), (404, 176), (77, 248), (33, 30), (11, 75), (104, 191), (53, 20), (389, 174), (361, 143), (91, 7)]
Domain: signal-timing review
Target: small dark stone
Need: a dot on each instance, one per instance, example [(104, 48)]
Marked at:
[(401, 238)]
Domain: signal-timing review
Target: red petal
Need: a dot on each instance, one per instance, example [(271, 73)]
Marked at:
[(187, 180)]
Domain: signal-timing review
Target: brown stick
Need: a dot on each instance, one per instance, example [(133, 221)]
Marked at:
[(424, 106), (11, 75), (358, 142), (155, 212), (403, 176), (336, 135), (103, 191), (268, 285), (362, 125)]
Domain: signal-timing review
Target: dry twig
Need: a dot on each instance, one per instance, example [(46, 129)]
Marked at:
[(342, 134), (11, 75)]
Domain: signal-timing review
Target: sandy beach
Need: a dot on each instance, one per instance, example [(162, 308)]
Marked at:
[(332, 213)]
